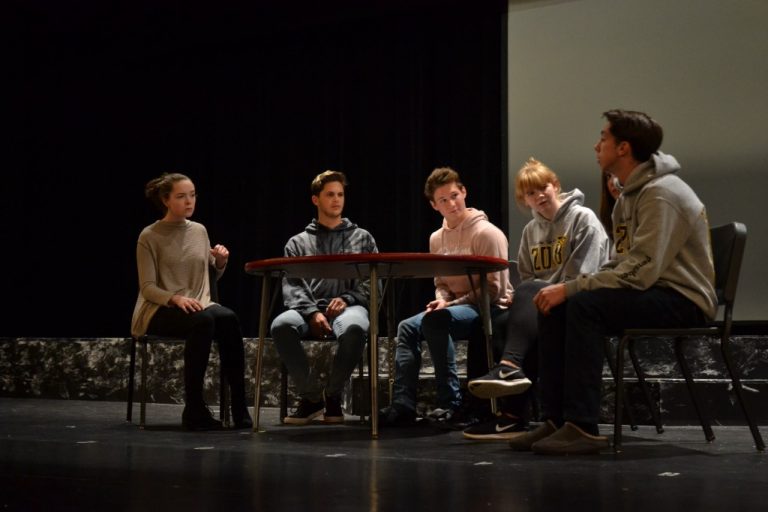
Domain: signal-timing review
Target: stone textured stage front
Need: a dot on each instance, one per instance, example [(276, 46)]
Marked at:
[(97, 369)]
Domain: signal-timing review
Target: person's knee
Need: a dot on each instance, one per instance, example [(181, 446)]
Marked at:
[(354, 332), (409, 332), (281, 329), (436, 321), (203, 323), (582, 306), (227, 321)]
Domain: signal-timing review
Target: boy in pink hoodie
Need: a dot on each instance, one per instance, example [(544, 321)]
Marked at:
[(454, 310)]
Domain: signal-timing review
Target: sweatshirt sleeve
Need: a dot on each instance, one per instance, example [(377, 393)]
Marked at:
[(146, 260), (661, 232), (361, 293), (296, 292), (589, 250), (524, 257)]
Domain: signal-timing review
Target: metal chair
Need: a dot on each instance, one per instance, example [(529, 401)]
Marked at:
[(728, 243), (148, 339)]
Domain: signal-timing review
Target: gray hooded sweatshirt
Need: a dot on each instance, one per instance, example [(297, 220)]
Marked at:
[(661, 238), (572, 243), (308, 296)]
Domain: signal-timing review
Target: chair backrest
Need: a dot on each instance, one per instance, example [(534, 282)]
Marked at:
[(514, 273), (728, 243)]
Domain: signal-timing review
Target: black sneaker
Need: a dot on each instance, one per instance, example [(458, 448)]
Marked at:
[(503, 427), (394, 417), (305, 412), (454, 419), (199, 418), (503, 380), (333, 412)]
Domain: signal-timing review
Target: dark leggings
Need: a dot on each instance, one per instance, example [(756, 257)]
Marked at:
[(515, 337), (199, 329)]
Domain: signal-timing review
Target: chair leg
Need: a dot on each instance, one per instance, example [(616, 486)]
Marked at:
[(644, 387), (143, 384), (283, 392), (131, 380), (625, 400), (361, 376), (708, 434), (619, 377), (726, 351)]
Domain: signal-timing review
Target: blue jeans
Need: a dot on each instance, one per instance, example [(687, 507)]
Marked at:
[(438, 328), (351, 331), (571, 342)]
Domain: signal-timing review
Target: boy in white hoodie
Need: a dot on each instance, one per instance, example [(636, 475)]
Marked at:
[(453, 311), (661, 276)]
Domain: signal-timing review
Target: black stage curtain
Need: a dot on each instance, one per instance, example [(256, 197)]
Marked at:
[(251, 102)]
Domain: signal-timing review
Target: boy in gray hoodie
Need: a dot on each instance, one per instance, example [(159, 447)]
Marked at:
[(324, 308), (661, 276)]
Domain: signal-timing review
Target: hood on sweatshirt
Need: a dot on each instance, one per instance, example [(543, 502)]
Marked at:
[(453, 241), (658, 165), (567, 199), (330, 240)]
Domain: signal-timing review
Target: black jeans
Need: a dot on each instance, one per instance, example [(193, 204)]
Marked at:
[(199, 329), (571, 342)]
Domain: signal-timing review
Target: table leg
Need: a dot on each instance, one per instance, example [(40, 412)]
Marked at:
[(373, 357), (390, 287), (485, 314), (263, 318)]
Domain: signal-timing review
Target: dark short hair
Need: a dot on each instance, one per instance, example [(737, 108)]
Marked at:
[(643, 134), (439, 177), (326, 177), (160, 188)]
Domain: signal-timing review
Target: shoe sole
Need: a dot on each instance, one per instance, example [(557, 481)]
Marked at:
[(333, 420), (501, 436), (571, 440), (498, 388), (525, 442), (585, 448), (302, 421)]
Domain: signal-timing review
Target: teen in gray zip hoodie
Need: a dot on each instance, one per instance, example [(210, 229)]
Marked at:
[(324, 307), (662, 276), (308, 296), (563, 239), (661, 237)]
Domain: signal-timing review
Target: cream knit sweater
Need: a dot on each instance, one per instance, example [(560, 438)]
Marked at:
[(172, 258)]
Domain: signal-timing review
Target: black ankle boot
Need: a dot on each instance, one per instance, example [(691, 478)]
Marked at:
[(241, 419), (199, 418)]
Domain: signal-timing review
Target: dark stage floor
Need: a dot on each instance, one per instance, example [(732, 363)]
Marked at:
[(76, 455)]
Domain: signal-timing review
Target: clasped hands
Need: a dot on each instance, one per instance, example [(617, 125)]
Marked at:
[(319, 325)]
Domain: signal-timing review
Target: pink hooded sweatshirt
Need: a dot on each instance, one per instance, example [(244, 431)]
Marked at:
[(477, 236)]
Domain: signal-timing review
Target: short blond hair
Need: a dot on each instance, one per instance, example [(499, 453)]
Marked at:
[(533, 175)]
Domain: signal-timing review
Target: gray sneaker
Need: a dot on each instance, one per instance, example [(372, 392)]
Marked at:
[(524, 442)]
